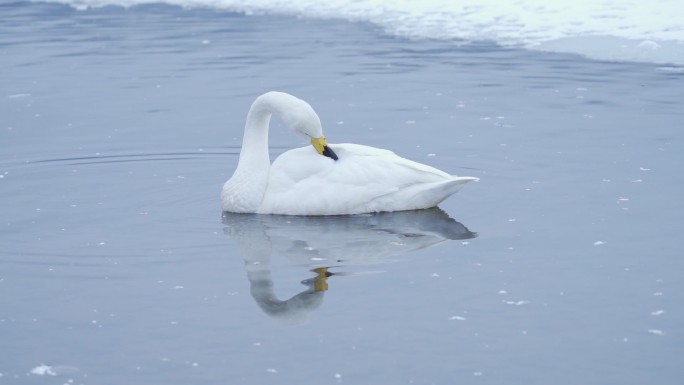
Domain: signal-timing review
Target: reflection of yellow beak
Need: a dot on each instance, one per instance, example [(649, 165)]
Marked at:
[(321, 146), (321, 280)]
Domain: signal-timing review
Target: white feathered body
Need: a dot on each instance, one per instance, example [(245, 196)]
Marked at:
[(364, 179), (308, 181)]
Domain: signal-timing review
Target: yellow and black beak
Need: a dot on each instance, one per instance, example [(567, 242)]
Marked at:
[(321, 145)]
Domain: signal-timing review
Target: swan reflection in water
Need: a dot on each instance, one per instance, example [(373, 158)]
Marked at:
[(320, 243)]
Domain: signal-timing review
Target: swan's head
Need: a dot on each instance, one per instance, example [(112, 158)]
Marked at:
[(300, 117)]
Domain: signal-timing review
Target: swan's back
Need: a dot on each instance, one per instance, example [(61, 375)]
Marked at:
[(364, 179)]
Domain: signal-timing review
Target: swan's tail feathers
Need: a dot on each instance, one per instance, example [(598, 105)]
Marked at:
[(467, 179), (417, 196), (434, 193)]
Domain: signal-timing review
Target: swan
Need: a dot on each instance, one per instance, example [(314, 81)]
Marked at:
[(325, 179)]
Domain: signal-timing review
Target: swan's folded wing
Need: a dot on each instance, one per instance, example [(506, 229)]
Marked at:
[(364, 179)]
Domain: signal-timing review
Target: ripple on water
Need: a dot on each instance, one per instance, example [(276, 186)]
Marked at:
[(82, 216)]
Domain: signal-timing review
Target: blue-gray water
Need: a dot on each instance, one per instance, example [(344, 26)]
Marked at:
[(119, 126)]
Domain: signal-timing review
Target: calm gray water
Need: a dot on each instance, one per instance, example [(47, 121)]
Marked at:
[(118, 127)]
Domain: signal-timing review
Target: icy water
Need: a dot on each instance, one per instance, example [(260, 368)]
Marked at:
[(118, 127)]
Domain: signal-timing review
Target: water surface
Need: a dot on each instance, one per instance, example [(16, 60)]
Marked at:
[(119, 126)]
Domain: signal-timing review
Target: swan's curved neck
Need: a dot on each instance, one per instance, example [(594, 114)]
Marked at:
[(254, 153), (245, 190)]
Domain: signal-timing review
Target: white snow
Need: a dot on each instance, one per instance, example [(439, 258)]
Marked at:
[(43, 370), (632, 30)]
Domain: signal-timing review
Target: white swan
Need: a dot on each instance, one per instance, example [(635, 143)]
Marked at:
[(348, 179)]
